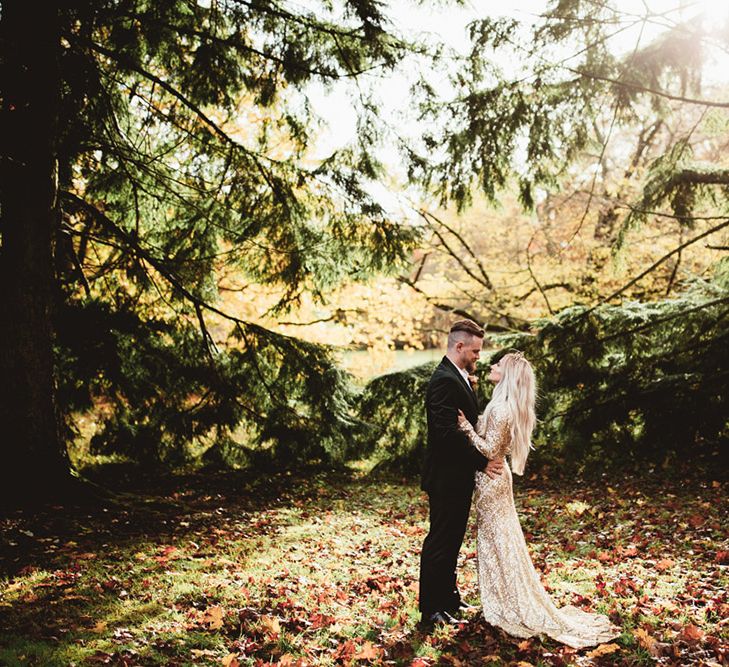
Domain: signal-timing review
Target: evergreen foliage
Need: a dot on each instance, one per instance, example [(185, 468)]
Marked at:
[(182, 141), (184, 148), (570, 91), (618, 385), (166, 396)]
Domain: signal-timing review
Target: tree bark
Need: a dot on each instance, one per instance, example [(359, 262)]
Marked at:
[(34, 463)]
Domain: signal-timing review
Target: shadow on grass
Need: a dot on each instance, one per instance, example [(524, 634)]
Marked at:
[(281, 567)]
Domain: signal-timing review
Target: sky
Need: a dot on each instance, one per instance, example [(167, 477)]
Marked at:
[(449, 24)]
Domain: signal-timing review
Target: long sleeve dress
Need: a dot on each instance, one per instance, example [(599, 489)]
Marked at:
[(512, 595)]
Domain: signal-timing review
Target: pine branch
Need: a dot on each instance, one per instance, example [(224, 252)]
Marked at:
[(697, 177), (158, 264), (130, 64), (234, 43)]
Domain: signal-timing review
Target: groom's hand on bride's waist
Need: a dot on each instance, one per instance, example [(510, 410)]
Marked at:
[(494, 468)]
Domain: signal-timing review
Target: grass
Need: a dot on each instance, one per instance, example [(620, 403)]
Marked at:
[(321, 569)]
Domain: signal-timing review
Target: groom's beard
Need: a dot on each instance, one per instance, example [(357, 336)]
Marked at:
[(470, 367)]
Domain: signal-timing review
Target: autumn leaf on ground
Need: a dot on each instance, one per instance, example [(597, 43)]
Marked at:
[(603, 649), (368, 652), (664, 564), (577, 507), (203, 653), (345, 650), (99, 627), (271, 623), (722, 557), (213, 618), (691, 633), (230, 660), (646, 641)]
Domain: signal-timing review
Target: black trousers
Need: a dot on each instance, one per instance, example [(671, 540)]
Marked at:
[(448, 519)]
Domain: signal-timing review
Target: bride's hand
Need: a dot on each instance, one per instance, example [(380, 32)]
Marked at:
[(461, 419)]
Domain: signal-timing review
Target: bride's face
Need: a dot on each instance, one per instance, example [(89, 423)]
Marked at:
[(496, 373)]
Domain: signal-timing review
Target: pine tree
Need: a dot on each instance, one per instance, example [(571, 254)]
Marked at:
[(149, 144)]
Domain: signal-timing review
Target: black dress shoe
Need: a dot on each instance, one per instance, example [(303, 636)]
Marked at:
[(439, 618), (462, 611)]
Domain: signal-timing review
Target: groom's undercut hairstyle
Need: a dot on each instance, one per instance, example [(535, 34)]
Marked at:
[(462, 330)]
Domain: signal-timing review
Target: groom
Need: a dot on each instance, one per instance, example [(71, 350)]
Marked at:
[(448, 472)]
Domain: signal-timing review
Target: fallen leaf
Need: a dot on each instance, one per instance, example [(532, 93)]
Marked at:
[(345, 650), (691, 633), (368, 652), (664, 564), (577, 507), (99, 627), (213, 618), (271, 623), (603, 649), (230, 660), (646, 641)]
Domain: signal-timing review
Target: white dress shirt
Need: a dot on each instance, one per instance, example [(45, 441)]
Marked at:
[(464, 374)]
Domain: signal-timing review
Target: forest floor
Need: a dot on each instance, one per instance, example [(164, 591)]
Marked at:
[(321, 569)]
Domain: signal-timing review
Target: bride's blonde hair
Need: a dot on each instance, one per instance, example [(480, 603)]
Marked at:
[(516, 392)]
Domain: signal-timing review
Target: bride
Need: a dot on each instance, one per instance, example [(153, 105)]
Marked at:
[(512, 596)]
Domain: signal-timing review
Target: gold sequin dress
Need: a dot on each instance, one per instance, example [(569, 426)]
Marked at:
[(512, 595)]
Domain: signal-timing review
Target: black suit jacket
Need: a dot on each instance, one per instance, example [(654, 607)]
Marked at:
[(450, 459)]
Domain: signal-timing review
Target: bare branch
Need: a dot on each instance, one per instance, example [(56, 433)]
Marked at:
[(496, 328), (656, 264), (481, 280), (644, 89), (486, 280), (534, 278)]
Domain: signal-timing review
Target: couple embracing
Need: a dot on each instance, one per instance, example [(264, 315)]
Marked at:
[(466, 460)]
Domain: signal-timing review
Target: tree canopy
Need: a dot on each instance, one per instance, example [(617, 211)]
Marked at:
[(173, 145)]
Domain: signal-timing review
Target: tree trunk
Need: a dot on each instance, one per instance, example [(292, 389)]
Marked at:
[(33, 460)]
